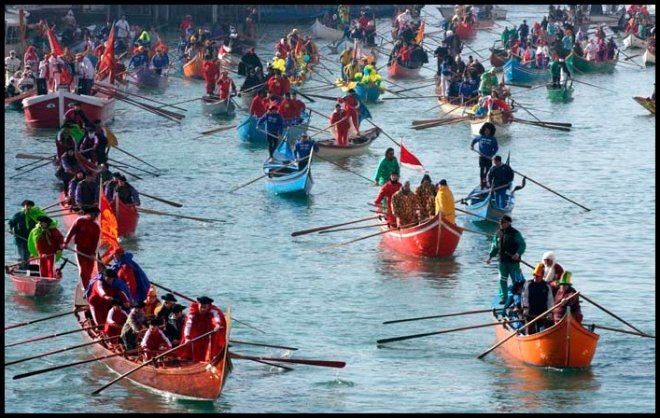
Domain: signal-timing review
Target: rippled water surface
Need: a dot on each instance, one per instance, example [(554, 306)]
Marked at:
[(331, 304)]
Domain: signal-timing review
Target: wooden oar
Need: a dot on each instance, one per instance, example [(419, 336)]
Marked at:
[(32, 169), (146, 363), (613, 315), (304, 95), (178, 103), (155, 212), (318, 113), (322, 228), (262, 345), (134, 167), (32, 163), (60, 350), (34, 157), (34, 321), (533, 321), (344, 168), (63, 366), (137, 158), (21, 96), (591, 85), (350, 228), (623, 331), (238, 356), (384, 133), (128, 93), (448, 121), (410, 97), (444, 331), (547, 123), (266, 174), (438, 316), (214, 130), (365, 237), (160, 199), (543, 125), (122, 169), (416, 88), (46, 337), (308, 362)]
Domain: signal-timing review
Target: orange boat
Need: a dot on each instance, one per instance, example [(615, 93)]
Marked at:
[(193, 68), (565, 345)]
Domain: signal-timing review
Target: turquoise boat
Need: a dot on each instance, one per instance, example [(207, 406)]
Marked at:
[(283, 176), (560, 94), (368, 94), (482, 207), (248, 132), (583, 66), (515, 72)]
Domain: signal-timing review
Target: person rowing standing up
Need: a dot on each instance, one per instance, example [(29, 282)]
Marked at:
[(274, 126), (45, 243), (131, 273), (211, 72), (303, 149), (487, 149), (258, 107), (340, 121), (509, 243), (225, 84), (203, 317), (499, 176), (20, 225), (85, 233)]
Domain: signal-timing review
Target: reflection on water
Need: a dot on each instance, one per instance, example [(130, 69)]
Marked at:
[(440, 271), (46, 304)]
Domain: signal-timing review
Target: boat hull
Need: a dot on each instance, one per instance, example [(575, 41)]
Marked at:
[(217, 107), (632, 41), (320, 31), (561, 94), (367, 94), (515, 72), (248, 132), (127, 217), (397, 70), (295, 182), (356, 146), (47, 110), (648, 58), (434, 238), (646, 103), (466, 32), (147, 77), (193, 68), (584, 66), (481, 207), (31, 285)]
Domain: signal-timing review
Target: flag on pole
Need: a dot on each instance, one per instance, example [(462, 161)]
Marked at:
[(420, 33), (53, 42), (109, 227), (409, 160)]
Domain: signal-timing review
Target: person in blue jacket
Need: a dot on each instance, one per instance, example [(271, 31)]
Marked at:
[(274, 125), (160, 61), (302, 149), (487, 149)]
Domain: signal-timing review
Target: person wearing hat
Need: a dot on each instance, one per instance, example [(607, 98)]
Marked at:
[(225, 84), (151, 302), (203, 317), (154, 339), (252, 83), (135, 325), (488, 82), (553, 271), (352, 107), (144, 39), (164, 310), (302, 149), (536, 299), (45, 243), (20, 225), (87, 147), (566, 289), (125, 192), (174, 326), (85, 233), (273, 124), (115, 320), (340, 121), (100, 292), (444, 202), (500, 178), (77, 115), (510, 245), (298, 106), (487, 148), (140, 58), (130, 272), (111, 185), (26, 82)]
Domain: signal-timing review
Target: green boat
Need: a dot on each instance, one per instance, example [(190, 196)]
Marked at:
[(560, 94), (582, 66)]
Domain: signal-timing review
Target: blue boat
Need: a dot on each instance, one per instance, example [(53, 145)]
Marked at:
[(368, 94), (481, 205), (283, 175), (515, 72), (248, 132)]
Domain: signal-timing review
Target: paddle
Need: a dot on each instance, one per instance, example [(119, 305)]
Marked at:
[(160, 199), (441, 123), (444, 331), (303, 95), (415, 88), (178, 103), (33, 157), (234, 355), (20, 96), (613, 315), (60, 350), (547, 123), (308, 362), (344, 168), (437, 316), (384, 133), (533, 321), (543, 125), (146, 363), (322, 228), (34, 321), (34, 162), (63, 366), (50, 336), (137, 158), (155, 212), (32, 169), (262, 345), (623, 331), (365, 237), (410, 97), (136, 168), (350, 228)]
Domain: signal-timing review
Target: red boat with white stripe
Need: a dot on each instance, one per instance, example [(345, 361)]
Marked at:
[(47, 111)]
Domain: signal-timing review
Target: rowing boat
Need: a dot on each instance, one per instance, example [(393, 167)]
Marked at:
[(188, 380), (632, 41), (127, 216), (515, 72), (585, 66), (649, 57), (498, 54), (147, 77), (560, 93), (30, 283), (218, 107), (283, 177), (397, 70), (466, 31), (496, 117), (357, 145), (433, 238), (319, 30), (46, 111), (193, 68), (565, 345), (646, 103), (247, 96), (481, 206), (248, 132)]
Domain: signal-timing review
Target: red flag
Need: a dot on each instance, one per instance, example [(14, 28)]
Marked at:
[(420, 33), (108, 58), (408, 160), (54, 44), (109, 228)]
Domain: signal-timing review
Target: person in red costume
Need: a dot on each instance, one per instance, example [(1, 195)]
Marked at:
[(298, 104), (287, 108), (341, 122), (282, 47), (278, 85), (85, 233), (154, 340), (225, 84), (211, 72), (203, 317), (100, 293), (387, 191), (44, 242), (351, 106), (257, 107), (115, 320)]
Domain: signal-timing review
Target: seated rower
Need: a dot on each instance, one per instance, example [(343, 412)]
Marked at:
[(125, 192), (154, 340), (115, 320), (565, 290), (174, 326), (151, 303), (134, 327), (404, 206), (537, 298)]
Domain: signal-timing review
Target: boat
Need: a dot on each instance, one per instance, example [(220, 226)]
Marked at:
[(497, 13), (127, 216), (187, 380), (193, 68), (582, 65), (357, 145), (481, 206), (565, 345), (515, 72), (649, 57), (248, 132), (217, 107), (147, 77), (560, 93), (465, 31), (498, 54), (616, 29), (497, 118), (397, 70), (646, 103), (30, 283), (283, 177), (246, 97), (451, 108), (274, 13), (320, 31), (47, 111), (632, 41), (432, 238), (367, 93)]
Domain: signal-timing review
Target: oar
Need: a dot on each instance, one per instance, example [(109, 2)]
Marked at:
[(146, 363), (32, 169), (33, 162), (547, 123), (410, 97), (34, 157), (446, 121), (591, 85), (238, 356), (178, 103), (63, 366), (51, 205), (318, 113), (262, 345), (50, 336), (266, 175), (136, 168), (60, 350), (623, 331), (613, 315), (160, 199), (416, 88), (155, 212), (122, 169), (384, 133), (128, 93), (34, 321), (304, 95), (322, 228), (533, 321), (214, 130), (543, 125), (365, 237), (344, 168), (444, 331), (438, 316), (320, 363), (350, 228), (137, 158)]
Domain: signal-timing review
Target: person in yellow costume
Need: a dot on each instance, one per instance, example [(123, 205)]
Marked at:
[(444, 202)]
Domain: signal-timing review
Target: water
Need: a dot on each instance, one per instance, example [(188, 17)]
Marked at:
[(332, 304)]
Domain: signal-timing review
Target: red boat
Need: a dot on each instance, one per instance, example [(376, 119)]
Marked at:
[(29, 282), (47, 110), (432, 238), (397, 70), (465, 31), (189, 380), (127, 217)]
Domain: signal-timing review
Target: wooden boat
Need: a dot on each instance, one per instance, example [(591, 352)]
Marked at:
[(561, 93), (582, 65), (147, 77), (356, 145), (498, 54), (515, 72), (616, 29), (248, 132), (320, 31), (565, 345), (397, 70), (433, 238), (481, 205), (47, 111), (632, 41), (216, 107), (188, 380), (193, 68), (497, 12), (451, 108), (646, 103), (465, 31), (285, 178), (495, 117), (648, 58), (29, 283), (127, 217)]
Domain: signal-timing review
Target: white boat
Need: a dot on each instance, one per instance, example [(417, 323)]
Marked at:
[(648, 58), (501, 130), (357, 145), (217, 107), (319, 30), (246, 98), (633, 41)]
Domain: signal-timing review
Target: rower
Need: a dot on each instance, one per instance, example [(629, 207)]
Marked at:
[(101, 145), (537, 298), (386, 192), (487, 149), (20, 226), (139, 59), (565, 290), (203, 317), (287, 109), (174, 327), (64, 140), (125, 192), (553, 271), (134, 326), (404, 206), (299, 106), (85, 233), (100, 292), (499, 176), (77, 115), (87, 192), (151, 302), (160, 62), (352, 106), (72, 186), (274, 126), (509, 243), (154, 340), (249, 61), (444, 202), (340, 121), (45, 243), (116, 319), (211, 72), (303, 149), (225, 83), (164, 310), (257, 107), (130, 272), (88, 144)]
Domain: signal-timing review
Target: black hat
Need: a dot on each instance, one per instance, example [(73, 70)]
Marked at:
[(205, 300), (92, 210), (27, 202), (117, 301), (168, 297), (139, 304), (156, 321), (177, 308), (122, 177), (44, 219), (443, 182)]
